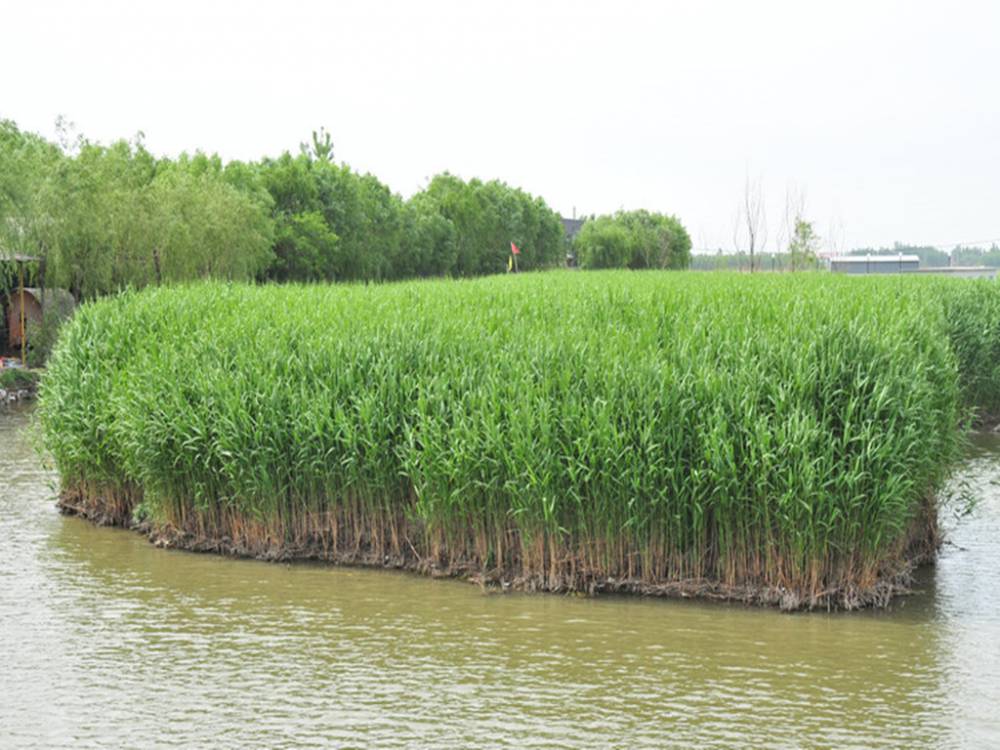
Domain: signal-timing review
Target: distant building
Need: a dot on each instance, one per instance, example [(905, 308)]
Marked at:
[(37, 302), (572, 227), (867, 264)]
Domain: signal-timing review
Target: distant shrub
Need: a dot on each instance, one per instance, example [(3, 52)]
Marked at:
[(633, 239)]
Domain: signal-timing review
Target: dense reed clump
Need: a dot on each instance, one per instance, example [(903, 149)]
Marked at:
[(775, 438)]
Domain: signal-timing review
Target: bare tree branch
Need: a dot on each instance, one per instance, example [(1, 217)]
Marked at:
[(755, 215)]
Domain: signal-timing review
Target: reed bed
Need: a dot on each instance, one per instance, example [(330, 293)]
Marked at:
[(770, 438)]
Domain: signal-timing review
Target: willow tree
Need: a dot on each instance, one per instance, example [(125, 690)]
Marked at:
[(485, 217), (26, 163), (119, 217), (634, 239)]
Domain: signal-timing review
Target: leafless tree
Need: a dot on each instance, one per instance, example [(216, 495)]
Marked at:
[(795, 213), (795, 209), (751, 219), (836, 236), (738, 235)]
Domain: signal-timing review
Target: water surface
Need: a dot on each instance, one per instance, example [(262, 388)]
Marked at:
[(107, 641)]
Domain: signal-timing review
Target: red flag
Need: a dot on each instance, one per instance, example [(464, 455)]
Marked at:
[(514, 249)]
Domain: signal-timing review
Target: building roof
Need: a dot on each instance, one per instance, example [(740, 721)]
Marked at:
[(58, 299), (572, 226), (875, 258)]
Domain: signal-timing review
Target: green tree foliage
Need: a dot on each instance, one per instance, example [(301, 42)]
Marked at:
[(305, 247), (320, 148), (975, 256), (634, 239), (604, 243), (803, 245), (105, 217), (432, 249), (206, 227), (331, 223), (334, 224), (25, 162), (484, 218)]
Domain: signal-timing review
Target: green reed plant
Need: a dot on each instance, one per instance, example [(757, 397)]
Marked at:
[(779, 436)]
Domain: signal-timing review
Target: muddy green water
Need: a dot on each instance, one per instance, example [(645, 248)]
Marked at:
[(106, 641)]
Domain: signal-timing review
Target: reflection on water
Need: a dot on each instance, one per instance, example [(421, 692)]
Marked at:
[(108, 641)]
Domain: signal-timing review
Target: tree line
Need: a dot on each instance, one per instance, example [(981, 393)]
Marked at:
[(102, 217), (930, 257), (763, 261), (934, 257)]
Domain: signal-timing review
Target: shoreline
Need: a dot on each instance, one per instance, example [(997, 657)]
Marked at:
[(23, 388), (770, 440), (17, 396), (919, 550)]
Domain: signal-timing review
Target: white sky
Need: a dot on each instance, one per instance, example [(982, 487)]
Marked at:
[(886, 113)]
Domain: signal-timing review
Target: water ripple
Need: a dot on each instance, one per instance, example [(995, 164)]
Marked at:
[(110, 642)]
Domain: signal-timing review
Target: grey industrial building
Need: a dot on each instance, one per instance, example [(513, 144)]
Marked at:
[(875, 263)]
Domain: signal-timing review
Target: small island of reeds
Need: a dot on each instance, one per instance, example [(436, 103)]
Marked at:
[(771, 438)]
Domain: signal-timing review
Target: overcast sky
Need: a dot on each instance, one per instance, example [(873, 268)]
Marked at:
[(887, 114)]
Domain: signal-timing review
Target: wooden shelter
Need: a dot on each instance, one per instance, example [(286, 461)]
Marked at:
[(20, 261), (22, 309), (27, 306)]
